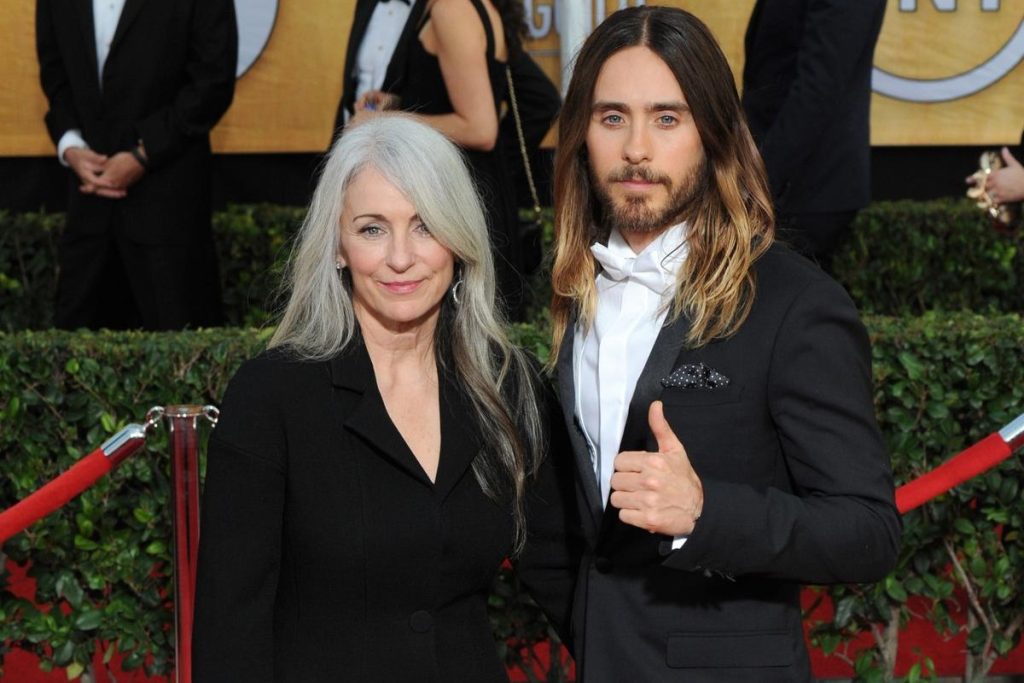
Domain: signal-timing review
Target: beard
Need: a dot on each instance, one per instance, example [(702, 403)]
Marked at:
[(633, 214)]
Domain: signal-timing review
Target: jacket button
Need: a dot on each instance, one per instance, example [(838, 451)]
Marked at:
[(421, 621), (603, 564)]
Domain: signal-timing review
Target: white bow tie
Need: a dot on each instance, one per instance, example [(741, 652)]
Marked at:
[(643, 269)]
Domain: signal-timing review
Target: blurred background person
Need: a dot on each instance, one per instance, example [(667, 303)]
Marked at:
[(372, 469), (133, 90), (375, 55), (807, 97), (454, 80), (1007, 183)]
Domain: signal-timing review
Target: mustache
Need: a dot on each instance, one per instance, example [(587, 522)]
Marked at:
[(641, 173)]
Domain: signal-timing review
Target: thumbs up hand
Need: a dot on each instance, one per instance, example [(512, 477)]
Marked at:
[(658, 491), (1006, 184)]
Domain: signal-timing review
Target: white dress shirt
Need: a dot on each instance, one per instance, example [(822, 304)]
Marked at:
[(105, 16), (379, 42), (633, 294)]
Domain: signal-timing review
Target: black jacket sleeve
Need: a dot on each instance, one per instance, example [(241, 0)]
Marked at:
[(240, 543), (550, 560), (53, 75), (839, 522), (835, 37), (207, 88)]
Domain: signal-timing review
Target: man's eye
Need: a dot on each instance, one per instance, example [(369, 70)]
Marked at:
[(613, 119), (666, 119)]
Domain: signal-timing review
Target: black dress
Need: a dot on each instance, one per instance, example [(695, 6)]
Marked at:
[(422, 91)]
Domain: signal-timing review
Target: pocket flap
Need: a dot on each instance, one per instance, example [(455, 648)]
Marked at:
[(730, 650)]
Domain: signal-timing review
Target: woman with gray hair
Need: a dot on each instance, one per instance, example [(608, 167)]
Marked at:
[(372, 469)]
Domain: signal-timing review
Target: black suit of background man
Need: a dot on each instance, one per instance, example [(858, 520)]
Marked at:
[(396, 67), (807, 96), (145, 258)]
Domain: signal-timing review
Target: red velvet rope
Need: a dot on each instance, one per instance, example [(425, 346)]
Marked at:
[(969, 463), (54, 495)]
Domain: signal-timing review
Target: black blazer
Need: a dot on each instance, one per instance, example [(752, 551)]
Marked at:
[(395, 73), (169, 77), (797, 489), (807, 96), (327, 554)]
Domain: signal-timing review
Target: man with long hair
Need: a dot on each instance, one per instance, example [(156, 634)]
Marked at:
[(717, 386)]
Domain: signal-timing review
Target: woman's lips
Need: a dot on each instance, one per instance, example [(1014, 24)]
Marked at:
[(401, 286)]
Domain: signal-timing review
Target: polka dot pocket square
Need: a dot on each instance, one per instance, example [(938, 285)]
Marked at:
[(695, 376)]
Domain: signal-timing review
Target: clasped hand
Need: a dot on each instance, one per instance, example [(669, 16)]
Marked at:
[(372, 102), (660, 491), (102, 175)]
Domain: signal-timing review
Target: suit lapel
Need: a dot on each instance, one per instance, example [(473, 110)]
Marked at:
[(581, 453), (667, 347), (352, 371), (460, 440), (88, 26), (670, 342), (395, 75), (129, 13), (364, 10)]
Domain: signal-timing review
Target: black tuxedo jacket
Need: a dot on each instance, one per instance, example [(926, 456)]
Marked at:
[(168, 78), (327, 554), (807, 96), (395, 74), (797, 489)]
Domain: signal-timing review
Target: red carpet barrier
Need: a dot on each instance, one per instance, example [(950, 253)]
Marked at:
[(182, 420), (78, 478), (968, 464), (182, 423)]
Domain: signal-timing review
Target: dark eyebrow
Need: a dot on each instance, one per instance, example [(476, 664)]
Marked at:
[(677, 105), (669, 106)]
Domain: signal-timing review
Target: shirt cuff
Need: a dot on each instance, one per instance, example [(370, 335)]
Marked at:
[(71, 138)]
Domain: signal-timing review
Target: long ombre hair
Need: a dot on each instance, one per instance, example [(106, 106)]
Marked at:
[(470, 340), (730, 223)]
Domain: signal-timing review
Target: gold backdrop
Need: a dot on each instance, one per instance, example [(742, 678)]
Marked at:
[(969, 50)]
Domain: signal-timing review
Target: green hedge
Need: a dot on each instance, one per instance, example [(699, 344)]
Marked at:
[(902, 257), (943, 381), (252, 244), (909, 257)]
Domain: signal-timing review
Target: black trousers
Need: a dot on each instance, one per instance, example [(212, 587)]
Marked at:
[(108, 281)]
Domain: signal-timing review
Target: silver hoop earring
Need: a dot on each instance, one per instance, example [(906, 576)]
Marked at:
[(455, 291)]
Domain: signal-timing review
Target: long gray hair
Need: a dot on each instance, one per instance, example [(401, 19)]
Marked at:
[(470, 340)]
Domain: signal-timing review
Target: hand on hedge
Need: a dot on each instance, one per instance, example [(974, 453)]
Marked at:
[(1006, 184), (90, 167), (659, 491)]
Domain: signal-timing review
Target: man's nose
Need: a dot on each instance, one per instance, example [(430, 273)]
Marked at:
[(638, 144)]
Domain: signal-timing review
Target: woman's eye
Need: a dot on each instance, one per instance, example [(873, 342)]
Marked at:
[(422, 228), (370, 230)]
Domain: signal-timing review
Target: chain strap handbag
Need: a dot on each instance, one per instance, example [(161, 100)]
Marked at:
[(523, 153)]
